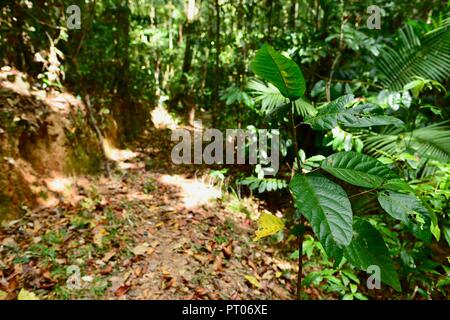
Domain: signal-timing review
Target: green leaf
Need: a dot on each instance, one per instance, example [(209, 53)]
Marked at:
[(264, 184), (397, 185), (363, 116), (335, 113), (270, 97), (358, 169), (304, 108), (408, 209), (326, 206), (435, 230), (327, 117), (368, 248), (279, 70), (426, 56), (447, 235), (432, 141), (443, 282)]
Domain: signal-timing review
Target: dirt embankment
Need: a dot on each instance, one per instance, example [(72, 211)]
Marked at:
[(45, 139)]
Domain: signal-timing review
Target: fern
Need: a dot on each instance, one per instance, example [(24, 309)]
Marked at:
[(432, 141), (271, 99), (269, 96), (265, 184), (426, 56)]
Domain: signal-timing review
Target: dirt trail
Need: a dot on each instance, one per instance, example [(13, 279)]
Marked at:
[(137, 236)]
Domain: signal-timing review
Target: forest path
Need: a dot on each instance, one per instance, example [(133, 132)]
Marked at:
[(187, 244), (151, 231)]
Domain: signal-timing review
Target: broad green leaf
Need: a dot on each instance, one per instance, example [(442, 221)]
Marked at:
[(335, 113), (360, 120), (408, 209), (362, 116), (327, 208), (368, 248), (268, 224), (397, 185), (3, 295), (358, 169), (327, 117), (280, 71)]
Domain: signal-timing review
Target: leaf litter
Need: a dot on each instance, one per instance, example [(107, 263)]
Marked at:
[(133, 237)]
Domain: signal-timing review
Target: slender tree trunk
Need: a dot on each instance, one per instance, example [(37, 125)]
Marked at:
[(269, 4), (293, 14), (124, 76), (217, 76), (123, 113), (301, 236), (337, 58), (241, 60), (186, 32)]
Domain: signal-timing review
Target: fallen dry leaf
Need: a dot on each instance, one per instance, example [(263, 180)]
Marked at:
[(122, 290), (108, 256), (227, 251), (137, 271), (218, 264), (170, 283), (140, 249), (107, 270), (201, 291), (200, 258), (253, 281)]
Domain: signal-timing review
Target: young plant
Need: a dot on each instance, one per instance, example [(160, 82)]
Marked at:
[(325, 203)]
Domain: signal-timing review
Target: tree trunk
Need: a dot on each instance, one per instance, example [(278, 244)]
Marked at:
[(269, 20), (215, 93), (293, 14), (186, 32)]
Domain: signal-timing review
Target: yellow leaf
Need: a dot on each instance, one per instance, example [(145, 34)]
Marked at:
[(3, 295), (98, 237), (268, 224), (26, 295), (253, 281)]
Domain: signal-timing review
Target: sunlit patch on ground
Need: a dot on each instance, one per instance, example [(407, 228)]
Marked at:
[(162, 119), (193, 193), (115, 154), (59, 184)]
